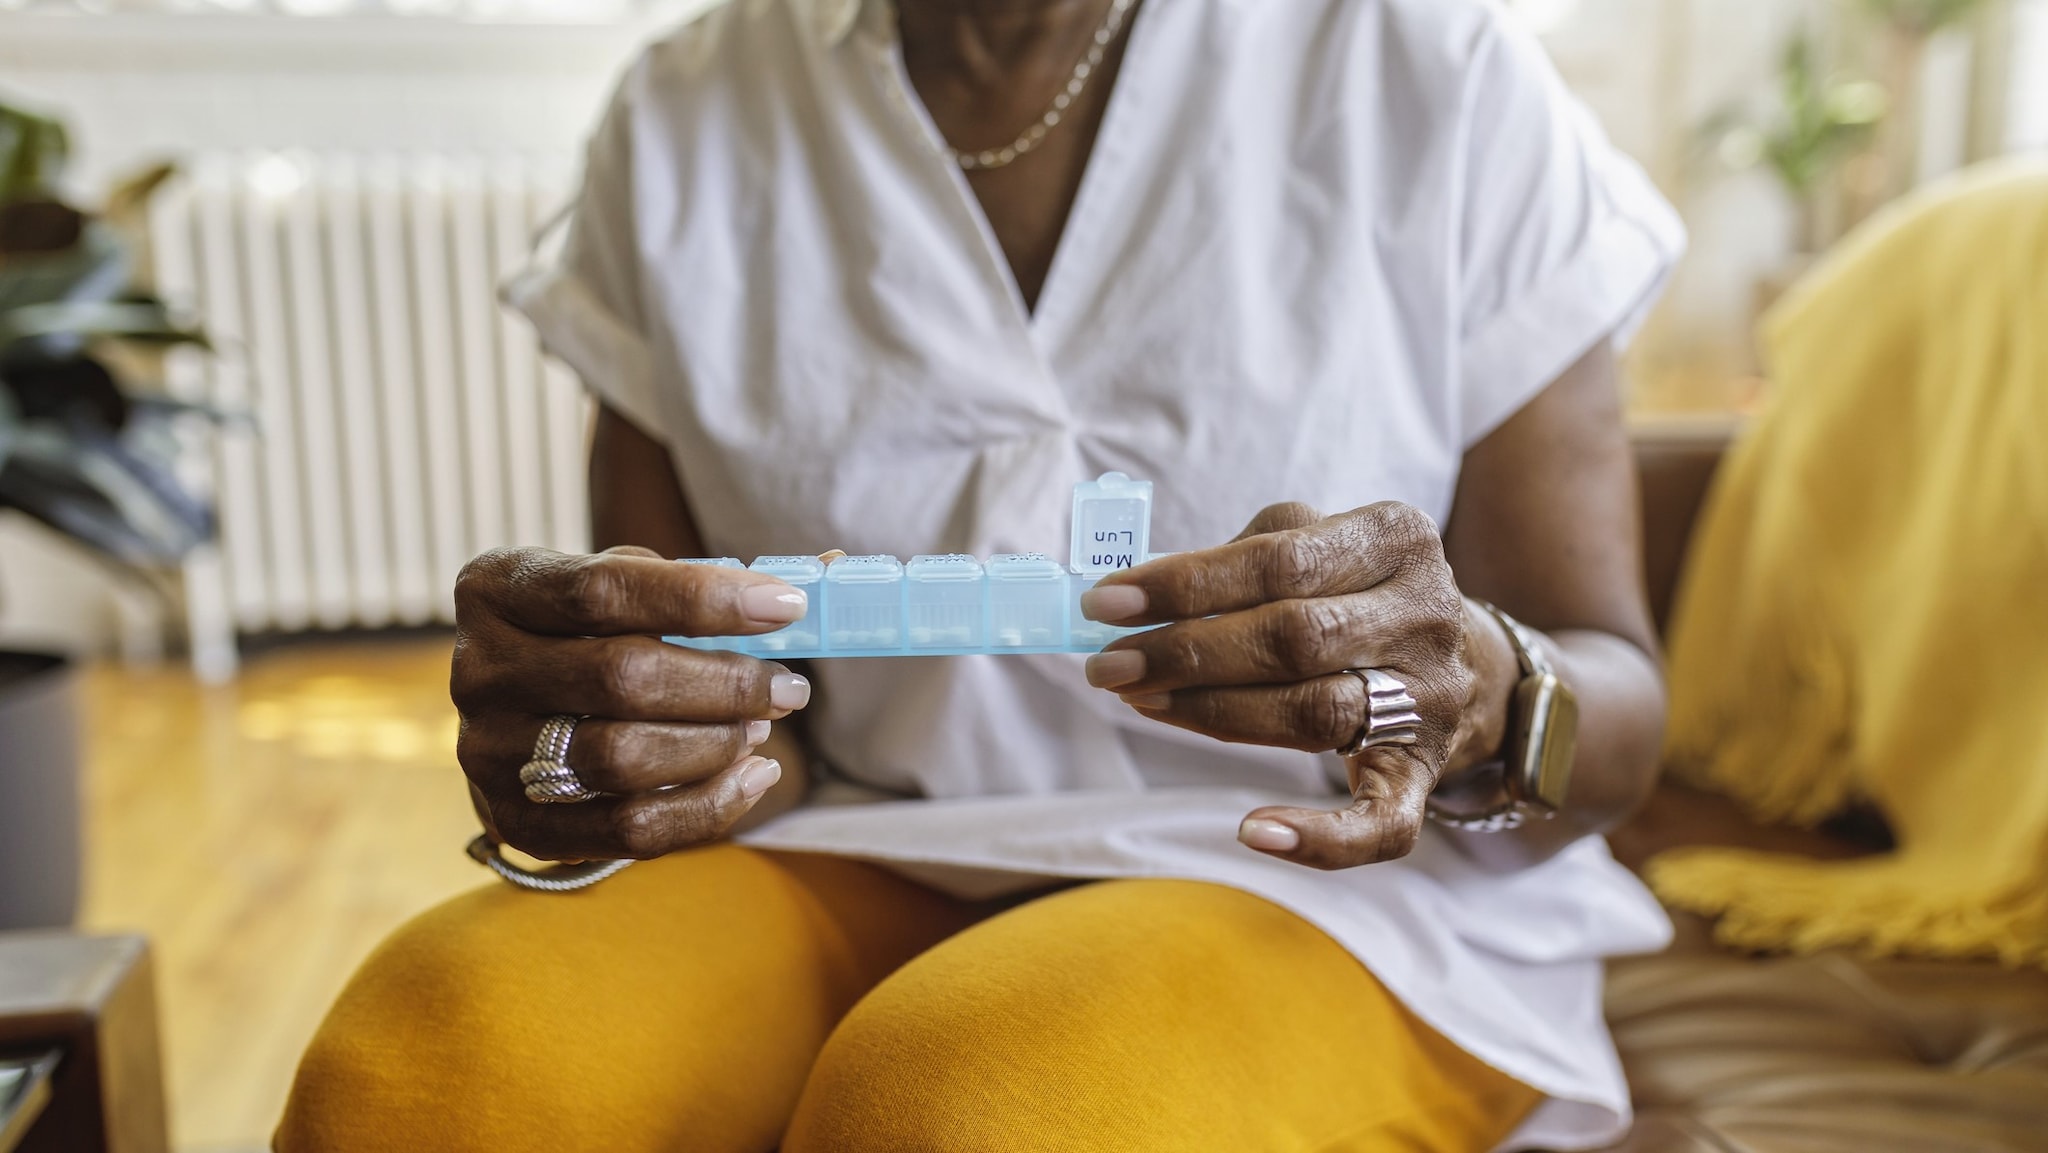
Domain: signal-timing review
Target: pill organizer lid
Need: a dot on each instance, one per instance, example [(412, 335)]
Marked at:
[(952, 567), (864, 569), (1024, 566), (714, 562), (790, 568)]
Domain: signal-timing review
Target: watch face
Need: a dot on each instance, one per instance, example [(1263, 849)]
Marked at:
[(1546, 728)]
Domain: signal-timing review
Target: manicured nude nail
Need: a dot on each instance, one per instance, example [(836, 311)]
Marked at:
[(776, 604), (1108, 670), (789, 692), (1150, 702), (1269, 836), (757, 731), (758, 776), (1113, 602)]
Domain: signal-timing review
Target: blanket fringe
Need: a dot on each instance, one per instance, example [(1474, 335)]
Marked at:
[(1766, 901)]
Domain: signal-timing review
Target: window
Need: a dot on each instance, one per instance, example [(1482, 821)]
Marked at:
[(2027, 116)]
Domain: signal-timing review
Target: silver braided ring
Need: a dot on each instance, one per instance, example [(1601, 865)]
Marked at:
[(558, 879), (1390, 716), (548, 778)]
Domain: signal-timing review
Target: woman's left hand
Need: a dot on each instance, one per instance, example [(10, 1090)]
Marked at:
[(1260, 634)]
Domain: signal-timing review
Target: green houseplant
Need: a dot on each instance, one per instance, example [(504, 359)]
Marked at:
[(1818, 121), (86, 449)]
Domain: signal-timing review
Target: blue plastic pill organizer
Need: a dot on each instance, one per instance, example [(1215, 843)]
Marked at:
[(877, 606)]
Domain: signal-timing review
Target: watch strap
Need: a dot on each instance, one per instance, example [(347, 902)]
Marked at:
[(1511, 816), (1528, 651), (1514, 812)]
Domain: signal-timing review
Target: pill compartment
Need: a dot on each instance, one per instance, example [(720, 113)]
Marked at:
[(1027, 602), (1082, 632), (864, 603), (1112, 524), (803, 572), (945, 606)]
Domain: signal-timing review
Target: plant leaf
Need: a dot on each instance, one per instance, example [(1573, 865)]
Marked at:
[(63, 325), (33, 150), (130, 198), (8, 423), (76, 392), (96, 268), (171, 408), (92, 492)]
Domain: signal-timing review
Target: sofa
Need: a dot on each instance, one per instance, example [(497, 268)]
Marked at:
[(1832, 1053)]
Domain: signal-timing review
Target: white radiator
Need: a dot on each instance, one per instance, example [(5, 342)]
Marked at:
[(403, 420)]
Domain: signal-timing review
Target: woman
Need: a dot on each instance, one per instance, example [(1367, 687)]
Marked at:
[(892, 279)]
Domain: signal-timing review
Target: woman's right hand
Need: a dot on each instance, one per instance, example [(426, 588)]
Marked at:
[(668, 734)]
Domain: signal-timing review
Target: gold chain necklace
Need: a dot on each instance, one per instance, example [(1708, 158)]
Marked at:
[(1032, 137)]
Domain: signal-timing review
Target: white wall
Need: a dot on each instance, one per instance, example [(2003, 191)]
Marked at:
[(138, 87)]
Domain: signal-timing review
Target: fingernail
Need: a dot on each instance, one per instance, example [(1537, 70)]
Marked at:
[(1268, 836), (757, 731), (759, 775), (776, 604), (1108, 670), (789, 692), (1113, 602), (1150, 702)]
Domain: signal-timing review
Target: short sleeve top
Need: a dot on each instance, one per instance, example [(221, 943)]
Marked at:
[(1320, 249)]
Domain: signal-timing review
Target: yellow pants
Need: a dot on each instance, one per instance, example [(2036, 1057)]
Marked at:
[(734, 1001)]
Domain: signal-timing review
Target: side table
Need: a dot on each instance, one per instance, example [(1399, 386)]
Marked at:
[(78, 1021)]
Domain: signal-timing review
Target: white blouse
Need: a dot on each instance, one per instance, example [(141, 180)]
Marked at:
[(1321, 248)]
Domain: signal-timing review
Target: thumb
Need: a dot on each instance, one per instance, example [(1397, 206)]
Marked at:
[(1389, 803)]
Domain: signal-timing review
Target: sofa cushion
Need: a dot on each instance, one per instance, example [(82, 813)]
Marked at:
[(1830, 1054)]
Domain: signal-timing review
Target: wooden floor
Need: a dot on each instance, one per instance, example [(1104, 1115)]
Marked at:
[(266, 835)]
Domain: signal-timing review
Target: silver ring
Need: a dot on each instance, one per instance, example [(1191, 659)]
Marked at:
[(547, 776), (1390, 716)]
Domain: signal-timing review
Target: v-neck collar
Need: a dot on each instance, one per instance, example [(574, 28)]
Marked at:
[(1039, 325)]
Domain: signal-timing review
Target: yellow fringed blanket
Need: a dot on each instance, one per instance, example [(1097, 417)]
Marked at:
[(1866, 610)]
